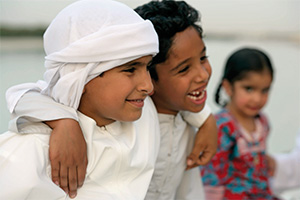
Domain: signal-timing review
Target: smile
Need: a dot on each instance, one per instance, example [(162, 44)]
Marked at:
[(137, 102), (197, 95)]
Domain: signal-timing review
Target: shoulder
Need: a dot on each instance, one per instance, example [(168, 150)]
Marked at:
[(225, 122), (224, 118)]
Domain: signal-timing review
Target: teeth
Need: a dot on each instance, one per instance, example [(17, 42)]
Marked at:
[(201, 95), (196, 93)]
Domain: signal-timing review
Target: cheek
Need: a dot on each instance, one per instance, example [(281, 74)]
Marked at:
[(265, 99), (242, 99), (208, 69)]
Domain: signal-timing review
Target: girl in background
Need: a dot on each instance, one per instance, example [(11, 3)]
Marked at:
[(239, 169)]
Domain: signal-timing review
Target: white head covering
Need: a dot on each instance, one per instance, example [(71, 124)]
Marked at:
[(85, 39)]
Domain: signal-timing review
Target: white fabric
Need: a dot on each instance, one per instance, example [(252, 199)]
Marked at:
[(121, 160), (287, 172), (188, 184), (170, 180), (85, 39), (196, 119)]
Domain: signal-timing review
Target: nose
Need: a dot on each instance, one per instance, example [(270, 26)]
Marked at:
[(257, 97), (203, 72), (145, 84)]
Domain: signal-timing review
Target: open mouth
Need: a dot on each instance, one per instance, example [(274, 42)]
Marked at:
[(197, 95)]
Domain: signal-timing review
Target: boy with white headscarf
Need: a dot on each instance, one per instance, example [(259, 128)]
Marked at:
[(93, 49), (180, 145)]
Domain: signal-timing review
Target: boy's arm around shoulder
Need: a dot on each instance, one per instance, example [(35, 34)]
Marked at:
[(67, 146), (206, 139)]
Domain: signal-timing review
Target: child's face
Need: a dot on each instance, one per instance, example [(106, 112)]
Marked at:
[(183, 77), (118, 94), (249, 95)]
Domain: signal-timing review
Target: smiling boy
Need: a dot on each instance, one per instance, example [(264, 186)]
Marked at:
[(79, 65), (180, 74)]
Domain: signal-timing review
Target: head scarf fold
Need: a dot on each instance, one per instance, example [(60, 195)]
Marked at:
[(85, 39)]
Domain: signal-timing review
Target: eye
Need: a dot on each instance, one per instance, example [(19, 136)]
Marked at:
[(249, 89), (266, 90), (130, 70), (203, 58), (184, 69)]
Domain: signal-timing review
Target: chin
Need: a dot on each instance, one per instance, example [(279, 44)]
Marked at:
[(196, 109), (131, 118)]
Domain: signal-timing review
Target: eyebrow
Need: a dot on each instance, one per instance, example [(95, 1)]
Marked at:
[(135, 63), (183, 62)]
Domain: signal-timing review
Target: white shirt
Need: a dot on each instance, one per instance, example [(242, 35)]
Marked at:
[(185, 185), (170, 180), (121, 160), (287, 171)]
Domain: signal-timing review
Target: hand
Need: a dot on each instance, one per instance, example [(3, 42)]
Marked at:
[(68, 155), (206, 143), (271, 165)]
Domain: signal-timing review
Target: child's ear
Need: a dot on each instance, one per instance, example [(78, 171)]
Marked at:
[(228, 87)]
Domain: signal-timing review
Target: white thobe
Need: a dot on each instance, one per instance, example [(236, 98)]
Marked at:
[(287, 171), (170, 180), (121, 159), (185, 185)]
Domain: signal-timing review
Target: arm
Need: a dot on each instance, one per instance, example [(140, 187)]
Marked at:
[(67, 147), (205, 145)]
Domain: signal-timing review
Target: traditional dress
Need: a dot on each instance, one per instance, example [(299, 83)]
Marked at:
[(121, 159), (85, 39), (176, 142), (239, 168), (170, 180), (75, 55)]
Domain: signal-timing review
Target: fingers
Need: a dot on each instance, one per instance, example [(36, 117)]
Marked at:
[(192, 159), (72, 181), (55, 172), (205, 157), (63, 178), (68, 177)]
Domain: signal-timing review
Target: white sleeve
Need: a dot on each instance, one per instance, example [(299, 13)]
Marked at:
[(196, 119), (35, 107), (287, 172)]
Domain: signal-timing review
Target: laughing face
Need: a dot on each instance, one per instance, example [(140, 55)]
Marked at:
[(118, 94), (183, 77)]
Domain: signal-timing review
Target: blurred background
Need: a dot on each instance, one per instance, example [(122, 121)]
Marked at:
[(271, 25)]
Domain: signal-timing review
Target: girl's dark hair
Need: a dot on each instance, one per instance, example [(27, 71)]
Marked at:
[(168, 17), (240, 63)]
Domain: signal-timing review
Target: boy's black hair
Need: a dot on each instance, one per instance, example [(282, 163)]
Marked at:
[(168, 17), (240, 63)]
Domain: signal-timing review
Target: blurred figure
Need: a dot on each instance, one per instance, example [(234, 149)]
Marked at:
[(285, 169), (239, 169)]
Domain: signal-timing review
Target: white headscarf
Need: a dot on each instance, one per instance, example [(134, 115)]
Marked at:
[(85, 39)]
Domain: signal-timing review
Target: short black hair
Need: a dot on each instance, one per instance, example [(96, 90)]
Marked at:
[(168, 18)]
